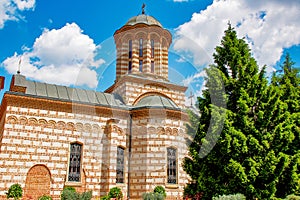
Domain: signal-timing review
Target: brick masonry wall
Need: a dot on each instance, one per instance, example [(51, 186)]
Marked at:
[(31, 139), (36, 141)]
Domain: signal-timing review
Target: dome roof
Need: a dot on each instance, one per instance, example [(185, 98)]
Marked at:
[(143, 19), (156, 101)]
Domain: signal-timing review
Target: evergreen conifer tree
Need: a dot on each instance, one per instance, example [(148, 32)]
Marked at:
[(242, 131)]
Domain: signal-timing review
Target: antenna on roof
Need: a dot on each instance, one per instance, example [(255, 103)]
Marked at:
[(18, 72), (143, 8)]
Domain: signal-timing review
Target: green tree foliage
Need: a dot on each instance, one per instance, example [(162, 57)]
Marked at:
[(230, 197), (245, 130), (115, 192), (288, 83), (45, 197), (160, 190), (15, 191)]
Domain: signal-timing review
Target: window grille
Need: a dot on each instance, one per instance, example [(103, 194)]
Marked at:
[(75, 162), (172, 165)]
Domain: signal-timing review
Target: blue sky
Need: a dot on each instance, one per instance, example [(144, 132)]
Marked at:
[(70, 42)]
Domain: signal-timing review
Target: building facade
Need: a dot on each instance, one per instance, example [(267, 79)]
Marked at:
[(131, 136)]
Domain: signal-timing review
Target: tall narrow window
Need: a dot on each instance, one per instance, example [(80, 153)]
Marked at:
[(152, 66), (129, 66), (130, 49), (120, 165), (152, 48), (172, 165), (141, 66), (75, 162), (141, 48)]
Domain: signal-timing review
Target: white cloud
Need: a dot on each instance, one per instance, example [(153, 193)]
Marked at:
[(62, 56), (9, 9), (270, 27)]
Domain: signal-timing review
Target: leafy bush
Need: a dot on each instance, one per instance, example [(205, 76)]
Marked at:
[(160, 190), (69, 193), (15, 191), (45, 197), (115, 192), (230, 197), (292, 197), (152, 196), (86, 195), (106, 197)]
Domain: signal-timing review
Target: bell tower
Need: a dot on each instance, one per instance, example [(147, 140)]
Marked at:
[(142, 48)]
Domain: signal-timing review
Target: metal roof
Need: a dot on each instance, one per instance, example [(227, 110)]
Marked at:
[(144, 19), (67, 93), (156, 101)]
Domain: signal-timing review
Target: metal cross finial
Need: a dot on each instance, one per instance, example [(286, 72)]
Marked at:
[(143, 8), (191, 97), (18, 72)]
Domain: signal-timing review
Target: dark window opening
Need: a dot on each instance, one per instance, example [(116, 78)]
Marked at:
[(129, 66), (172, 165), (141, 66), (141, 48), (130, 49), (152, 48), (152, 66), (75, 162), (120, 165)]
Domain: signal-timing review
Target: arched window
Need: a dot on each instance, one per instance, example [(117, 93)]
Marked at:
[(75, 162), (152, 48), (129, 56), (152, 66), (130, 49), (120, 165), (172, 165), (141, 48)]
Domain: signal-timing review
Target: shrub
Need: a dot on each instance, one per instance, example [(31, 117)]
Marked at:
[(106, 197), (45, 197), (86, 195), (69, 193), (292, 197), (115, 192), (230, 197), (152, 196), (160, 190), (15, 191)]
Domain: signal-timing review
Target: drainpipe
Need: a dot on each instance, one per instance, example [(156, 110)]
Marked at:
[(129, 156)]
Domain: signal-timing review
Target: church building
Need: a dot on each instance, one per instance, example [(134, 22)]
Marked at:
[(132, 136)]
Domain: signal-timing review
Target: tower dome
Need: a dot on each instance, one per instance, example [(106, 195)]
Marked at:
[(143, 19)]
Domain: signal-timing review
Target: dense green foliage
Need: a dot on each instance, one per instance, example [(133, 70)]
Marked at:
[(160, 190), (15, 191), (69, 193), (115, 192), (230, 197), (247, 140), (159, 193), (45, 197), (152, 196)]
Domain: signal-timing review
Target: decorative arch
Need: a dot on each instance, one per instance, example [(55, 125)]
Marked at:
[(70, 126), (23, 120), (51, 124), (38, 182), (12, 119), (32, 121), (42, 122), (60, 125), (79, 127)]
